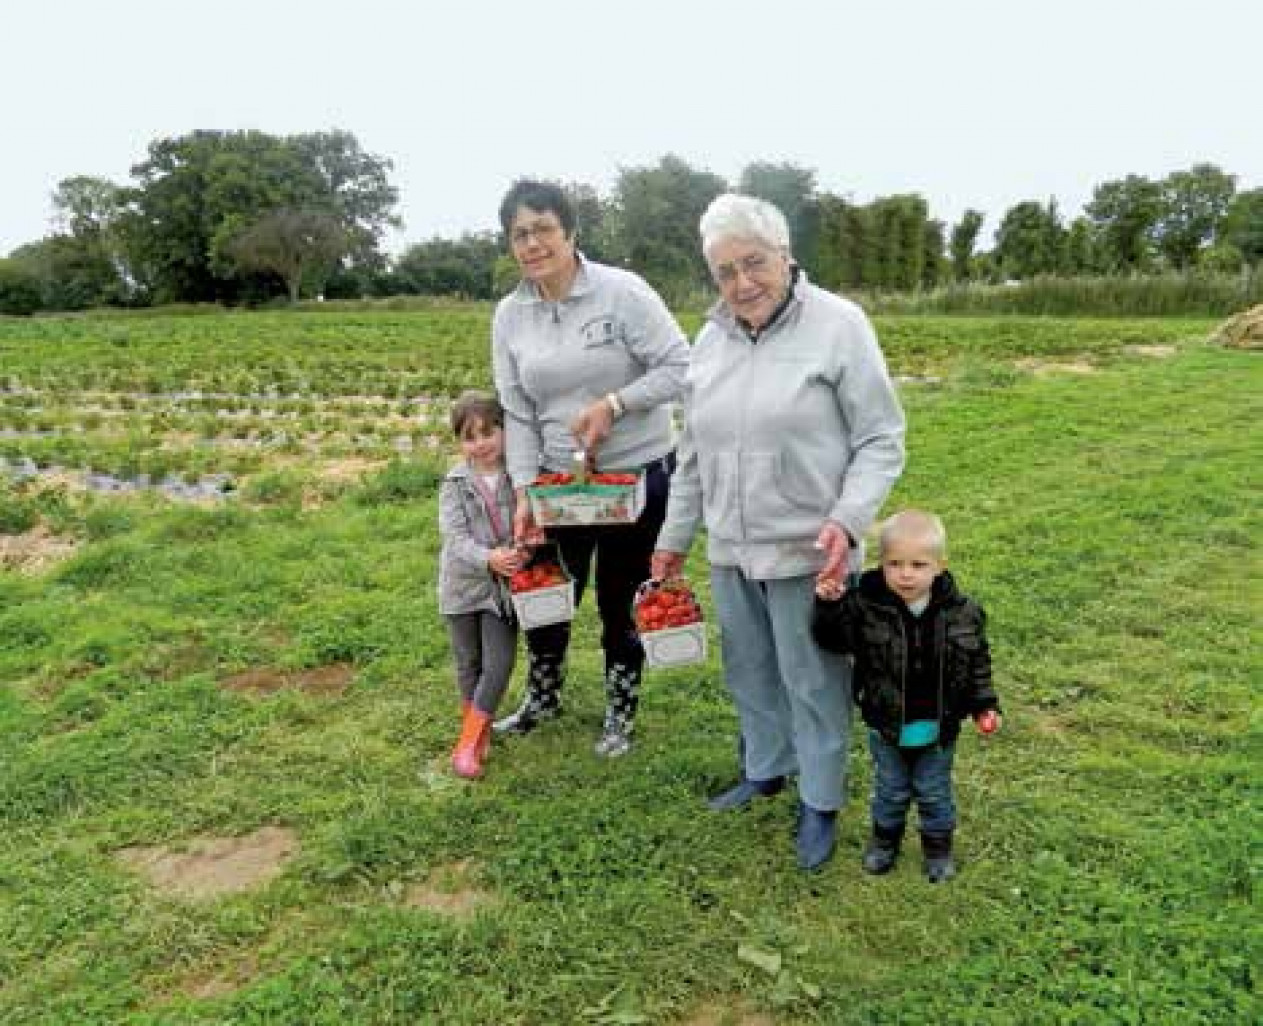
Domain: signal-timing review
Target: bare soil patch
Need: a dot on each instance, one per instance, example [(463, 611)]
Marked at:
[(205, 983), (1155, 351), (207, 867), (35, 550), (350, 469), (713, 1014), (1042, 368), (322, 682), (449, 890)]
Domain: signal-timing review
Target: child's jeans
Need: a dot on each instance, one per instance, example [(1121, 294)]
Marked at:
[(901, 774)]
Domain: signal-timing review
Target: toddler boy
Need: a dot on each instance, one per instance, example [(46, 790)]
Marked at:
[(922, 664)]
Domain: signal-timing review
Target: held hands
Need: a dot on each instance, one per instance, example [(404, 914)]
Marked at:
[(591, 426), (664, 565), (836, 545), (829, 589)]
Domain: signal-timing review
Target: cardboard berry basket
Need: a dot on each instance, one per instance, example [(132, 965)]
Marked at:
[(560, 500), (670, 623), (543, 591)]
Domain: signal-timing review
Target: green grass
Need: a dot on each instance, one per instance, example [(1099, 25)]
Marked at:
[(1108, 844)]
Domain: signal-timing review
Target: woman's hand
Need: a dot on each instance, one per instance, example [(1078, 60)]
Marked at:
[(664, 565), (836, 545), (591, 426), (505, 561)]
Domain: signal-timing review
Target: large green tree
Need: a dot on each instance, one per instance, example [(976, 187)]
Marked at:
[(1030, 240), (451, 267), (295, 245), (657, 213), (964, 240), (197, 194), (1242, 227), (1124, 213), (1193, 205)]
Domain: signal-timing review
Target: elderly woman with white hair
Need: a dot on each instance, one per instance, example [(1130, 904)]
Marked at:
[(792, 439)]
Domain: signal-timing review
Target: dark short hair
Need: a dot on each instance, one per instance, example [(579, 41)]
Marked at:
[(475, 405), (542, 197)]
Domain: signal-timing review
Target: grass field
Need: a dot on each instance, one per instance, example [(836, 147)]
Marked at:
[(255, 687)]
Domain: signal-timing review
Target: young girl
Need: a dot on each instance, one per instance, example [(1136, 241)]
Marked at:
[(476, 522)]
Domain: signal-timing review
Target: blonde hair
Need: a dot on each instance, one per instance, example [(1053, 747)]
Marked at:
[(917, 526)]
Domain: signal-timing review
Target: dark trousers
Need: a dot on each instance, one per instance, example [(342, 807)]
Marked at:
[(484, 648), (622, 554)]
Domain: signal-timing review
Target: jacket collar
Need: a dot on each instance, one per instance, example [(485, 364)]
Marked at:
[(787, 313), (873, 587)]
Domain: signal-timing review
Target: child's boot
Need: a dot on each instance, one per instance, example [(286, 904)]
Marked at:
[(465, 705), (468, 754), (882, 850), (937, 848)]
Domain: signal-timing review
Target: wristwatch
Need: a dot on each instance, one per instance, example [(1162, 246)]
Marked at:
[(616, 405)]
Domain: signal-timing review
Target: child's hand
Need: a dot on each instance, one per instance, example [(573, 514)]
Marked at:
[(988, 721), (505, 561), (829, 588)]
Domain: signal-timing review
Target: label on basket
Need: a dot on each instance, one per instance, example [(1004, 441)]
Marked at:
[(675, 646)]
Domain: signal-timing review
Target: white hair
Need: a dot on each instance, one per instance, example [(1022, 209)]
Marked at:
[(733, 216)]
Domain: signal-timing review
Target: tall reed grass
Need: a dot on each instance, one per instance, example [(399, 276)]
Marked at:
[(1150, 295)]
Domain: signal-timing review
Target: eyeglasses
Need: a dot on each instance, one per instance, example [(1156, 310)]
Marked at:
[(753, 266), (542, 231)]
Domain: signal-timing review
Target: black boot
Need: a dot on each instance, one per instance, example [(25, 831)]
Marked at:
[(622, 696), (937, 848), (882, 850), (544, 678)]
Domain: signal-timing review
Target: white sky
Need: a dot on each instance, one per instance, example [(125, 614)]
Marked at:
[(973, 103)]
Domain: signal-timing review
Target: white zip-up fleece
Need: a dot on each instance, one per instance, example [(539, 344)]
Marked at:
[(612, 333), (783, 433)]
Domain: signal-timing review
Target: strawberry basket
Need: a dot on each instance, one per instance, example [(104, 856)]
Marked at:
[(542, 591), (563, 500), (669, 620)]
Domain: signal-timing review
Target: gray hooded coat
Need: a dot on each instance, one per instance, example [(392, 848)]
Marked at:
[(466, 583)]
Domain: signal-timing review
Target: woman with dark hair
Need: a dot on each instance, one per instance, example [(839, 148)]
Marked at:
[(587, 359)]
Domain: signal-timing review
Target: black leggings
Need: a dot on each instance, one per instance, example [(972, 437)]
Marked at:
[(623, 553)]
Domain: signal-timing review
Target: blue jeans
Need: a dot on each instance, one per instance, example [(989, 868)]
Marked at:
[(900, 774), (793, 697)]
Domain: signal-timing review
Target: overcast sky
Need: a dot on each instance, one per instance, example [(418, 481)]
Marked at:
[(972, 103)]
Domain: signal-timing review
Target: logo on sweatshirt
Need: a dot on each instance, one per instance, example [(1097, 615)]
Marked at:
[(602, 330)]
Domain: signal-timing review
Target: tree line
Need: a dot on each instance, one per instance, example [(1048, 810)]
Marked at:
[(244, 217)]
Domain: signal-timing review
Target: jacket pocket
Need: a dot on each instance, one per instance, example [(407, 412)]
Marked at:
[(806, 486)]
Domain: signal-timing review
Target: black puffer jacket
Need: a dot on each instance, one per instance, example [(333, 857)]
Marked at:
[(867, 623)]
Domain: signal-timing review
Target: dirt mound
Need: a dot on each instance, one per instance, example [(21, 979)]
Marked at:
[(207, 867), (1244, 331)]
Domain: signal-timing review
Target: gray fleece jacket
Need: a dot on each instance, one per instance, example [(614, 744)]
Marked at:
[(783, 433), (466, 583), (612, 333)]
